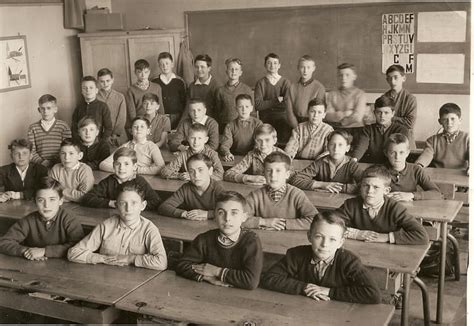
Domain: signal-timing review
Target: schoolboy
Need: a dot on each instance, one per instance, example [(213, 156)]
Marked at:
[(90, 106), (49, 232), (94, 149), (374, 217), (271, 95), (160, 124), (126, 238), (369, 146), (324, 270), (173, 89), (226, 94), (47, 134), (336, 172), (197, 114), (195, 200), (277, 205), (197, 139), (449, 149), (409, 181), (309, 139), (300, 93), (75, 177), (134, 95), (250, 169), (229, 255), (238, 134), (105, 193), (19, 179)]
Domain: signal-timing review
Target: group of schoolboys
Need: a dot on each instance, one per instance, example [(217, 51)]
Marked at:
[(212, 121)]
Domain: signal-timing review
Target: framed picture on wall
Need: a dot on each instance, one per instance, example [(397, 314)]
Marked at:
[(14, 67)]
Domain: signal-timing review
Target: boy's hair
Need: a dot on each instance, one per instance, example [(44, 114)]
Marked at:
[(449, 108), (90, 79), (241, 97), (232, 60), (306, 57), (127, 152), (271, 55), (277, 157), (346, 65), (231, 196), (383, 102), (341, 132), (330, 217), (150, 97), (378, 171), (132, 185), (71, 142), (105, 72), (85, 121), (49, 183), (316, 101), (198, 127), (46, 98), (197, 101), (141, 64), (165, 55), (142, 118), (393, 68), (199, 157), (204, 57), (396, 139), (265, 129), (20, 143)]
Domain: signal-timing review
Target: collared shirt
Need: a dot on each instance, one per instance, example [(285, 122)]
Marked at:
[(228, 241), (207, 82), (165, 80), (273, 79), (333, 168), (47, 124), (105, 94), (75, 167), (309, 81), (321, 266), (450, 137), (232, 87), (49, 223), (203, 120), (22, 173), (382, 128), (277, 194), (373, 210), (144, 85)]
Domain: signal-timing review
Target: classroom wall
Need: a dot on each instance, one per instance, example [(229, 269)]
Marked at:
[(55, 67)]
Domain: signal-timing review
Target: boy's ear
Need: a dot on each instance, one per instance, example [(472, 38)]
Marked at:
[(144, 203), (61, 200), (387, 190), (439, 121), (39, 110), (211, 170), (308, 235), (288, 173), (207, 139), (245, 216), (80, 155)]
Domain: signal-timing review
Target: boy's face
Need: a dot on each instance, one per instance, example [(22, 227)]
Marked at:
[(130, 205), (140, 130), (346, 77), (48, 110), (338, 147), (199, 173), (229, 216), (272, 65), (234, 71), (201, 69), (197, 140), (316, 114), (372, 190), (89, 90), (450, 122), (21, 156), (166, 65), (48, 203), (89, 133), (306, 69), (244, 108), (124, 168), (395, 80), (265, 142), (325, 239), (397, 154), (151, 107), (70, 156), (142, 74), (383, 115), (106, 82), (197, 111), (276, 174)]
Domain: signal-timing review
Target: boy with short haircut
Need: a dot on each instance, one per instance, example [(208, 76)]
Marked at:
[(271, 95), (124, 239), (251, 169), (19, 180), (197, 115), (47, 134), (197, 139), (173, 89), (226, 94), (238, 134), (371, 140), (303, 91), (229, 255), (195, 200), (160, 124), (324, 270), (374, 217), (47, 233), (309, 139), (407, 178), (94, 149), (90, 106), (277, 205), (105, 193), (75, 177), (117, 106), (449, 149)]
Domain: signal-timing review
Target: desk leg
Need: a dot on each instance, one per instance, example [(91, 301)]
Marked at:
[(442, 270), (406, 299)]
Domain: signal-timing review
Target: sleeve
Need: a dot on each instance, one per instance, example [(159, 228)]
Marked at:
[(157, 164), (362, 144), (155, 258), (195, 254), (410, 232), (171, 170), (213, 141), (227, 140), (85, 183), (426, 157), (83, 251), (430, 189), (305, 210), (305, 178), (253, 219), (218, 170), (35, 158), (346, 212), (10, 243), (260, 102), (121, 118), (152, 198), (292, 121), (106, 121), (237, 172), (178, 137), (171, 206), (131, 106), (409, 117), (107, 165), (356, 173), (159, 92), (74, 233), (98, 197), (292, 146), (67, 133)]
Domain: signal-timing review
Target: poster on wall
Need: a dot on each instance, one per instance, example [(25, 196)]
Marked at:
[(398, 41), (14, 68)]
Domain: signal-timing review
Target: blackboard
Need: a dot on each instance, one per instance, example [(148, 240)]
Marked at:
[(331, 34)]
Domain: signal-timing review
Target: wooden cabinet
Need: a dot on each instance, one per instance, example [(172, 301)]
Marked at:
[(118, 51)]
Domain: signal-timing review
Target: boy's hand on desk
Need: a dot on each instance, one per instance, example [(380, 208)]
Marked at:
[(277, 224), (401, 196), (14, 194), (215, 281), (184, 176), (119, 260), (196, 215), (256, 180), (112, 204), (35, 254), (332, 187), (228, 158), (316, 292), (206, 269), (4, 197), (372, 236)]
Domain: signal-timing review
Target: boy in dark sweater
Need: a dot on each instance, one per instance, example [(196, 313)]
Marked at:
[(323, 271), (46, 233), (229, 255), (19, 179), (94, 150), (105, 193), (374, 217)]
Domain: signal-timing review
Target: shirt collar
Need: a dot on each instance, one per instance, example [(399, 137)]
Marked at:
[(374, 209), (207, 82), (143, 85), (450, 137), (273, 79), (129, 179), (328, 261), (165, 80), (132, 226), (228, 240), (49, 222), (306, 83), (22, 173), (232, 86), (47, 124), (277, 194), (75, 167), (203, 120)]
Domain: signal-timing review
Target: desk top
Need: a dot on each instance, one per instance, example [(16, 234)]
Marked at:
[(173, 297), (99, 283)]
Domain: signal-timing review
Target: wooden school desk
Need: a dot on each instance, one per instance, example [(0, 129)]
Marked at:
[(98, 284), (172, 297)]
